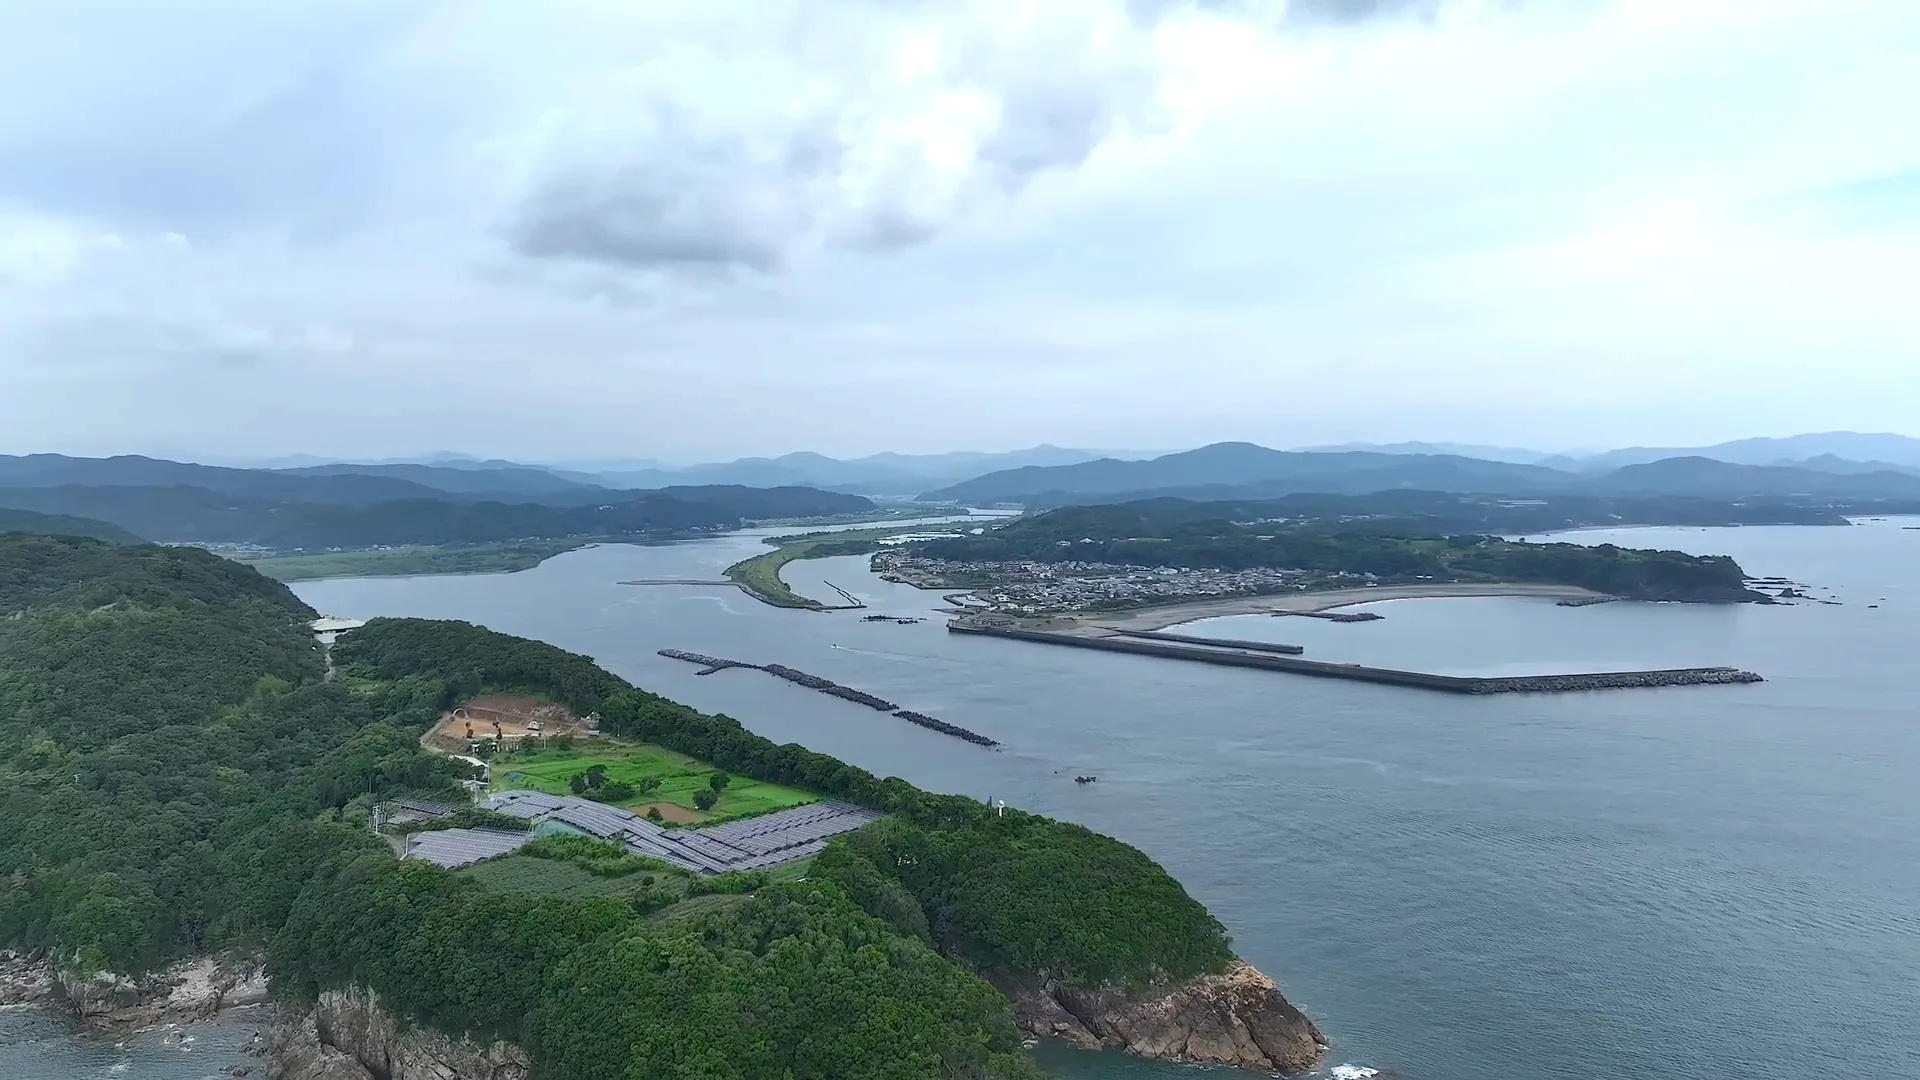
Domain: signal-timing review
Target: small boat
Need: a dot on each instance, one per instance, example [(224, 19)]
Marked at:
[(1085, 779)]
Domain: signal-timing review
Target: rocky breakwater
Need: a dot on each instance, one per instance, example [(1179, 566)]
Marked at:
[(182, 993), (346, 1035), (1237, 1018)]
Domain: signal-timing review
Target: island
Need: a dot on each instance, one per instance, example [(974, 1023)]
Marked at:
[(208, 804)]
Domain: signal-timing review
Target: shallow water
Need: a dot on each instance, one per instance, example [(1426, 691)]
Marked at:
[(1665, 883)]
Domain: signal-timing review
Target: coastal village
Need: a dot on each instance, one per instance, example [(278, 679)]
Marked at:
[(1026, 587)]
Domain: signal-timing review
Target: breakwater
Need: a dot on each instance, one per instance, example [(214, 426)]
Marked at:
[(944, 728), (1419, 680), (711, 664), (1336, 616), (1232, 643), (828, 686)]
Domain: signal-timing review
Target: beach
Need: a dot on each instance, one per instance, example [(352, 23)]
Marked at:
[(1160, 618)]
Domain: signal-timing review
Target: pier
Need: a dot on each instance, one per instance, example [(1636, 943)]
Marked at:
[(1419, 680), (711, 664)]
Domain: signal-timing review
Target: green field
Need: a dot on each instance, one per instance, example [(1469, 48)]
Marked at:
[(407, 561), (549, 877), (680, 777)]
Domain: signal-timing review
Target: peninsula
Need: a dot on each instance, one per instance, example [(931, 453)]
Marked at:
[(183, 699), (1090, 559)]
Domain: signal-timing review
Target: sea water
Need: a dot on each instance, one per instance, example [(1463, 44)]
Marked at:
[(1672, 883)]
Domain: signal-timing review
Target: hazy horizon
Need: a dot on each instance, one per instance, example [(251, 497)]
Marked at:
[(361, 229)]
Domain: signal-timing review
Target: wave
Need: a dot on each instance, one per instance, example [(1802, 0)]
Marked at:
[(1352, 1072)]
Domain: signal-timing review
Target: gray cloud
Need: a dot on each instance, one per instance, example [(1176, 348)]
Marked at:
[(686, 200), (732, 218)]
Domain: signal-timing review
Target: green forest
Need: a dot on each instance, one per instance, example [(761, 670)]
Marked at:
[(180, 777), (1176, 533)]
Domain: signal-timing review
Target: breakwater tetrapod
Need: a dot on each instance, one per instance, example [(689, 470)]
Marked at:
[(711, 664), (1420, 680)]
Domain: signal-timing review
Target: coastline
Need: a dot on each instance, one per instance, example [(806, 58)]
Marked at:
[(1186, 611)]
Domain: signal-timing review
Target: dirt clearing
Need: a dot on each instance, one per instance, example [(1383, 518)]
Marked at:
[(508, 716)]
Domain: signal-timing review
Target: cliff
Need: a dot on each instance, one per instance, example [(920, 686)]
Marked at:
[(1236, 1018), (346, 1035)]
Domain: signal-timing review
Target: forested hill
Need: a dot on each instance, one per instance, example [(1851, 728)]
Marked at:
[(199, 515), (63, 525), (1173, 533), (176, 776)]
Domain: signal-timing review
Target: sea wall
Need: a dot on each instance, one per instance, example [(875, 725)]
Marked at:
[(1419, 680), (1196, 639), (346, 1035)]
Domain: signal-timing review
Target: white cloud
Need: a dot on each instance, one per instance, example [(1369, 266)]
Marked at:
[(740, 226)]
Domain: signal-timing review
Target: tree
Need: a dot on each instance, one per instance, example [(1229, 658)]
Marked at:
[(653, 814), (577, 784), (704, 800), (614, 791), (649, 785), (596, 776), (718, 782)]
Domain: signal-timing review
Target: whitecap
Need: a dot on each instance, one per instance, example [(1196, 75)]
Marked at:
[(1352, 1072)]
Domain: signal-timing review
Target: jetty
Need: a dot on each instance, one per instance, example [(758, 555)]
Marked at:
[(1196, 639), (1334, 616), (1419, 680), (711, 664)]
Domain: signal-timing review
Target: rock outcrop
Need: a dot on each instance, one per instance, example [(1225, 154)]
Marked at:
[(1236, 1018), (348, 1036), (24, 980), (181, 993)]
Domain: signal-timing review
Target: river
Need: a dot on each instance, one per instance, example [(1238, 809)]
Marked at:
[(1719, 881)]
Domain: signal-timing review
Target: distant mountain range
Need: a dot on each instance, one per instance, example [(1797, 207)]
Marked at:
[(1830, 451), (1246, 471), (884, 474)]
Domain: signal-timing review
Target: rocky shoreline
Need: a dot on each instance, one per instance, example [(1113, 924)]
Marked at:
[(182, 993), (346, 1035), (1237, 1018)]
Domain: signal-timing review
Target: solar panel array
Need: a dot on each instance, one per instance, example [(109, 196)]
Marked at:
[(751, 844), (454, 848)]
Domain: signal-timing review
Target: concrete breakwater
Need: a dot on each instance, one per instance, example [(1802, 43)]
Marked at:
[(1335, 616), (1234, 643), (711, 664), (1455, 684)]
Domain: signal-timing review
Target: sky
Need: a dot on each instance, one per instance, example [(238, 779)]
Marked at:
[(714, 228)]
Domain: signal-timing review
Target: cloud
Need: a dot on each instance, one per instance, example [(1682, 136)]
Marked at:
[(685, 230)]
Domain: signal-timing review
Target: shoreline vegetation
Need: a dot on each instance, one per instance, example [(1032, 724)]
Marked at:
[(759, 575), (411, 561), (184, 780)]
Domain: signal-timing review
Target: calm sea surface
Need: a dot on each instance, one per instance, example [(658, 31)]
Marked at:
[(1676, 883)]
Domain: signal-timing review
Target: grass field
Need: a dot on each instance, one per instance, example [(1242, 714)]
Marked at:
[(680, 777), (549, 877)]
